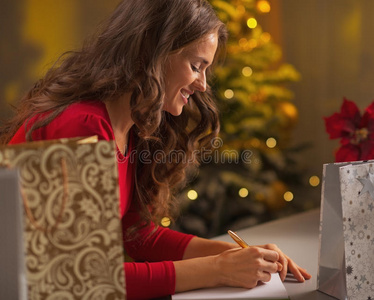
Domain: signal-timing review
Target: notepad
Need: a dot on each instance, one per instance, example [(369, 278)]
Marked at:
[(274, 289)]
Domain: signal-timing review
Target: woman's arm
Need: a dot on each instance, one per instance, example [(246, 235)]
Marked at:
[(199, 247), (235, 267), (213, 257)]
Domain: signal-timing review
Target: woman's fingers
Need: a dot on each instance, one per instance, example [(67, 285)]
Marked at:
[(270, 255), (299, 273), (282, 260), (288, 265), (264, 277)]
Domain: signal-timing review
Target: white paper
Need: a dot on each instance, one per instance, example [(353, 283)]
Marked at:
[(274, 289)]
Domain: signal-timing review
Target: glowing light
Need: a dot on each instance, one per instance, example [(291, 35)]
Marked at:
[(271, 142), (243, 192), (265, 37), (240, 9), (255, 143), (192, 195), (247, 71), (288, 196), (251, 23), (252, 43), (165, 221), (229, 94), (314, 180), (243, 42), (263, 6)]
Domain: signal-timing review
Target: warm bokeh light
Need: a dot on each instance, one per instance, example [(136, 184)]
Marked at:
[(165, 221), (252, 43), (288, 196), (252, 23), (255, 143), (243, 192), (263, 6), (247, 71), (192, 195), (229, 94), (265, 37), (290, 109), (240, 9), (271, 142), (314, 180), (243, 42)]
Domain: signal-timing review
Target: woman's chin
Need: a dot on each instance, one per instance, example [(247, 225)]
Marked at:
[(174, 111)]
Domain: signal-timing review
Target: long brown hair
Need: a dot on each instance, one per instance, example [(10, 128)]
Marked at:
[(128, 55)]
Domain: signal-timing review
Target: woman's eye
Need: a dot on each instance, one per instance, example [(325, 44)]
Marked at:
[(195, 69)]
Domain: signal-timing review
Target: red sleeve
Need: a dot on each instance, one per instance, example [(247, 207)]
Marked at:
[(155, 275), (75, 121), (163, 244), (149, 280)]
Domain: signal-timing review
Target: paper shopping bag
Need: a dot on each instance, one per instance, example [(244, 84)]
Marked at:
[(331, 265), (12, 266), (72, 230), (333, 278), (357, 190)]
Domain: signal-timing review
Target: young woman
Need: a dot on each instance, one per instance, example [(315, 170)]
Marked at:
[(142, 81)]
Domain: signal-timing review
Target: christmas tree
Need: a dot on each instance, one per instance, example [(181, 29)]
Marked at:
[(252, 170)]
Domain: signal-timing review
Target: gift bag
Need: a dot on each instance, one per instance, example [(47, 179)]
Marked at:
[(12, 266), (357, 190), (72, 230), (335, 272)]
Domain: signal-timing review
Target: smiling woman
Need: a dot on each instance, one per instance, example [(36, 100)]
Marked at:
[(186, 72), (142, 81)]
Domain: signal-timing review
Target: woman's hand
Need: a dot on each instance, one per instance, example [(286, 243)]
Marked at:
[(246, 267), (288, 265)]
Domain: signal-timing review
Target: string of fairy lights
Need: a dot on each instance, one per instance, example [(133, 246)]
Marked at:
[(263, 6)]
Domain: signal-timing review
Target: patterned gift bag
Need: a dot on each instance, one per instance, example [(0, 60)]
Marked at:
[(357, 190), (346, 269), (72, 230)]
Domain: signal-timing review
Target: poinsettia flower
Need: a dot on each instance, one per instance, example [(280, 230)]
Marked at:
[(356, 132)]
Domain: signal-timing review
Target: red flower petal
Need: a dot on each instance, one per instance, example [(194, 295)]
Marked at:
[(349, 110), (367, 150), (334, 125), (343, 124), (347, 153), (368, 118)]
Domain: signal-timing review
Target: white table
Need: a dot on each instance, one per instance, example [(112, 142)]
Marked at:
[(297, 236)]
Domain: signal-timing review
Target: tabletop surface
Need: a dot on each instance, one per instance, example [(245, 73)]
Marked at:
[(298, 237)]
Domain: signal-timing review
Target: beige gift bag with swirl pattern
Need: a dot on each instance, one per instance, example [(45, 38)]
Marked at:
[(72, 230)]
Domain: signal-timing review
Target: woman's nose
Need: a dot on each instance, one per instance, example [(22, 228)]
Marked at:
[(200, 82)]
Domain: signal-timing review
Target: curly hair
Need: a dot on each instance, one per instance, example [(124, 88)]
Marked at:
[(128, 54)]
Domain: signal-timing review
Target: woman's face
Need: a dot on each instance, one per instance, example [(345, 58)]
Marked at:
[(186, 72)]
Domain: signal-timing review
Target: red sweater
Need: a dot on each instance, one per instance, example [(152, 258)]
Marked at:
[(153, 274)]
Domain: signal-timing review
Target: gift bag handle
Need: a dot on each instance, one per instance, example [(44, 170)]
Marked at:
[(64, 201)]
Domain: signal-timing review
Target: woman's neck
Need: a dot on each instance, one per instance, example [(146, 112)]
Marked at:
[(120, 117)]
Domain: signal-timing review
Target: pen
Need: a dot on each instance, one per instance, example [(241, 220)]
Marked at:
[(238, 239)]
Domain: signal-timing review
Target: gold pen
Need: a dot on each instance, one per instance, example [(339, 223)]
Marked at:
[(238, 239)]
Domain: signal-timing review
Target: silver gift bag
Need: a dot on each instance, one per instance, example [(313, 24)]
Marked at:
[(357, 190), (334, 276)]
